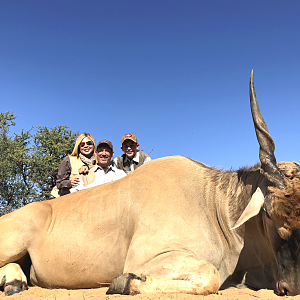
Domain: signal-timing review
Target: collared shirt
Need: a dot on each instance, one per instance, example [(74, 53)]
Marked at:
[(101, 176), (132, 162)]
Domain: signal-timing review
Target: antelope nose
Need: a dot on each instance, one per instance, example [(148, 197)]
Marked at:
[(283, 289)]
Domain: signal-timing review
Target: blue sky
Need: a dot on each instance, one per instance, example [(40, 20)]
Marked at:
[(175, 73)]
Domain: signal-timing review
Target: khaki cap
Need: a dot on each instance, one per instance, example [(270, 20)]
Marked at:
[(129, 136)]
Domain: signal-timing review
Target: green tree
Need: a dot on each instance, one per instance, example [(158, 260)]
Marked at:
[(51, 145), (16, 186), (29, 161)]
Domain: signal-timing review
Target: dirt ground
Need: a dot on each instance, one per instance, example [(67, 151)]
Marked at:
[(36, 293)]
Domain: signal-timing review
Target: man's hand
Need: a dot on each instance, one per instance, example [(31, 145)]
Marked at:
[(83, 170)]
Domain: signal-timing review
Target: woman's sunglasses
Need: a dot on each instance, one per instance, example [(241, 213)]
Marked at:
[(89, 143)]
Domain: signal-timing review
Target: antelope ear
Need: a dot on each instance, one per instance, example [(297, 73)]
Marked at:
[(252, 209)]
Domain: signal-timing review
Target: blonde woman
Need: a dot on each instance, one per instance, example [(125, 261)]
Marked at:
[(71, 165)]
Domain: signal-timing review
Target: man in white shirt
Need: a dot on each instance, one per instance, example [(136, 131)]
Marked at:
[(104, 171)]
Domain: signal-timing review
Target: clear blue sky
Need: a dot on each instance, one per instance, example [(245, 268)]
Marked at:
[(175, 73)]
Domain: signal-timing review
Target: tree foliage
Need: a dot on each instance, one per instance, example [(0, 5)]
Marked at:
[(29, 161), (51, 145)]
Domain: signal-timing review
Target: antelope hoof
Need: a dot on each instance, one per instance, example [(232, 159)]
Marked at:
[(14, 287), (121, 284)]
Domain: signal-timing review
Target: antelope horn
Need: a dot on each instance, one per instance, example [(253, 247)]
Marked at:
[(266, 143)]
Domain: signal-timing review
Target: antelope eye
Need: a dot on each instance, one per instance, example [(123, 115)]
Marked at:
[(266, 212)]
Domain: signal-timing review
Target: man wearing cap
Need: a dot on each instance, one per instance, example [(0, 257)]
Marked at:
[(132, 157), (104, 171)]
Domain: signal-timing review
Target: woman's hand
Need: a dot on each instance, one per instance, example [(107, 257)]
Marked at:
[(75, 181)]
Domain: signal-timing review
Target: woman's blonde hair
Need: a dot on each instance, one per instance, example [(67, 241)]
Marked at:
[(76, 150)]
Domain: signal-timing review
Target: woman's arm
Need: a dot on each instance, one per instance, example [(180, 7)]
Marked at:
[(63, 174)]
